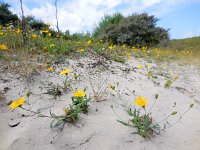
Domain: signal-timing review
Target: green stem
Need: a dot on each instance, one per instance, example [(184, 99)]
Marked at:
[(38, 113), (152, 106), (165, 119)]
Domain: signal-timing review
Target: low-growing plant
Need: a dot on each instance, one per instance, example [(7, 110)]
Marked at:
[(141, 118), (80, 100), (143, 121), (168, 84), (79, 104), (99, 90), (66, 81)]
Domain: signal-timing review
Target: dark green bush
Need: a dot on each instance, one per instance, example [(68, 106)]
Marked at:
[(6, 16), (134, 30), (38, 25)]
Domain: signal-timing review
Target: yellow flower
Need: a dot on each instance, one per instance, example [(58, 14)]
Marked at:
[(79, 93), (3, 47), (18, 31), (66, 110), (123, 46), (139, 66), (149, 67), (1, 33), (45, 48), (34, 36), (111, 86), (65, 72), (89, 42), (49, 34), (81, 50), (45, 31), (17, 103), (141, 101), (175, 78), (110, 47), (52, 45), (50, 69), (149, 74)]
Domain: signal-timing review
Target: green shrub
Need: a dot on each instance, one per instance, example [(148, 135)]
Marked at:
[(6, 16), (106, 22), (134, 30)]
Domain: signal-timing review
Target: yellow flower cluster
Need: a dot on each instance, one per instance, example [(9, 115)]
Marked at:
[(79, 93)]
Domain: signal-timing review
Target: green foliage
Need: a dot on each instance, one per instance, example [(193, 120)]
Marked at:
[(38, 25), (107, 21), (81, 103), (144, 123), (168, 84), (134, 30), (6, 16), (77, 36), (70, 116), (184, 44)]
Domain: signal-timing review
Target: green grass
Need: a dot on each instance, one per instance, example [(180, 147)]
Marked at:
[(185, 50), (185, 44)]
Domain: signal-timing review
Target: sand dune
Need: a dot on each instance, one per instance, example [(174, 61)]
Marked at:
[(99, 129)]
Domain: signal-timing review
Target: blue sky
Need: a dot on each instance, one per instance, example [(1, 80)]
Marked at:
[(182, 17)]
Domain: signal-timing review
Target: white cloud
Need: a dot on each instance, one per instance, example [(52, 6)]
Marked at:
[(82, 15)]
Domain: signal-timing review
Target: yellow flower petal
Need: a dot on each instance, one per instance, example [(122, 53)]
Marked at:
[(3, 47), (65, 72), (79, 93), (50, 69), (139, 66), (17, 103), (141, 101)]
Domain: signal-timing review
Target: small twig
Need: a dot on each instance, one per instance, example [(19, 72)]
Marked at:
[(23, 24), (164, 119)]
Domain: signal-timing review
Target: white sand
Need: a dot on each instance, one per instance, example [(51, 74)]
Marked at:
[(99, 130)]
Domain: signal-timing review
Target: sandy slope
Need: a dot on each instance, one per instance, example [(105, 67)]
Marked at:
[(99, 130)]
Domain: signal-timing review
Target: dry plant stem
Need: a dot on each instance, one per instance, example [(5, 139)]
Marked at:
[(165, 119), (99, 92), (152, 106), (23, 25), (116, 113), (179, 118), (57, 26), (145, 112)]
